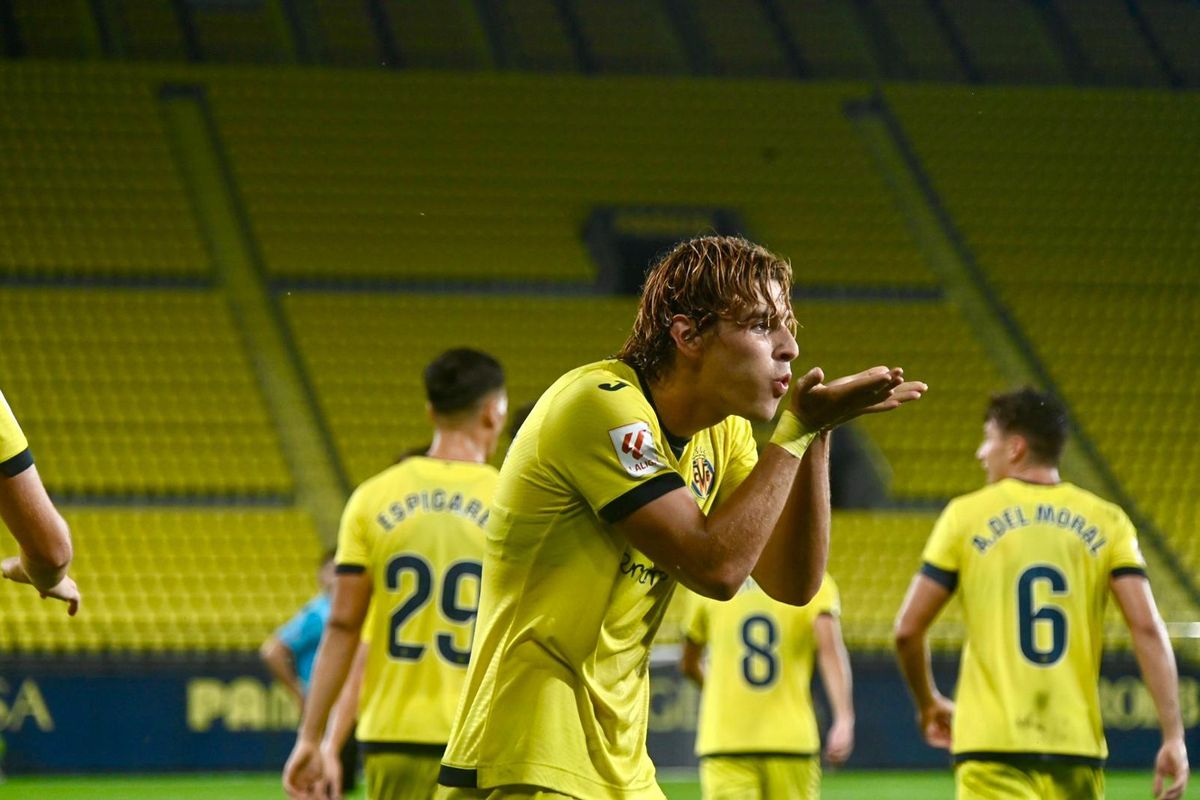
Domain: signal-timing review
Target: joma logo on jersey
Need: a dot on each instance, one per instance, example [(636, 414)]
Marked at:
[(703, 476), (635, 448)]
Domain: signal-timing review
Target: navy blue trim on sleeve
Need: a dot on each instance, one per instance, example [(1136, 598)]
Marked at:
[(1122, 571), (944, 577), (14, 466), (640, 495), (350, 569)]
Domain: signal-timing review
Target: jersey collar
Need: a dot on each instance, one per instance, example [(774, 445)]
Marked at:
[(677, 443)]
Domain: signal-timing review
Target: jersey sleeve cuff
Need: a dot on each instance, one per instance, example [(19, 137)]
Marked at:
[(1119, 572), (350, 569), (947, 579), (12, 467), (640, 495)]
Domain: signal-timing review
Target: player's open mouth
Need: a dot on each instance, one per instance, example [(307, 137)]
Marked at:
[(781, 385)]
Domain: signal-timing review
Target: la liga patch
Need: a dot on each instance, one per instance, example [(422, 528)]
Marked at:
[(634, 444)]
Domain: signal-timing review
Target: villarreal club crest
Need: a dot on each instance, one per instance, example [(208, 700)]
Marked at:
[(703, 475)]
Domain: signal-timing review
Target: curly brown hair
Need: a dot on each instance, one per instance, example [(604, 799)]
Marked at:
[(704, 279)]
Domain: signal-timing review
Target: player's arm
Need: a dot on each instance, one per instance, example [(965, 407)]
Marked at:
[(691, 662), (793, 561), (279, 661), (925, 599), (341, 723), (714, 555), (834, 663), (43, 535), (1157, 663), (351, 596)]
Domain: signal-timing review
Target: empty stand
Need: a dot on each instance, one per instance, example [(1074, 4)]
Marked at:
[(445, 35), (55, 30), (1007, 41), (172, 579), (345, 34), (365, 353), (90, 188), (535, 35), (491, 178), (922, 46), (831, 41), (1115, 49), (740, 39), (254, 33), (146, 30), (1080, 208), (1176, 25), (137, 392), (629, 36)]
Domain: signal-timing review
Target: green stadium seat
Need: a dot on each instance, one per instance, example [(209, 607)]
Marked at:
[(628, 36), (441, 35), (535, 36), (1176, 25), (147, 30), (740, 39), (254, 33), (64, 29), (345, 34), (924, 52)]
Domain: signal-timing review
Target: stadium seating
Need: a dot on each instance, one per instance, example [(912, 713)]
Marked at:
[(831, 41), (924, 51), (491, 178), (144, 393), (1176, 25), (1114, 48), (628, 36), (534, 35), (254, 33), (1080, 208), (147, 30), (1007, 41), (172, 579), (54, 30), (90, 187), (345, 35), (446, 35), (365, 352), (740, 39)]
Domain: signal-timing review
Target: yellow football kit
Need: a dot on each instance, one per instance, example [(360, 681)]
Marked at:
[(758, 735), (417, 529), (15, 457), (557, 692), (757, 696), (1032, 564)]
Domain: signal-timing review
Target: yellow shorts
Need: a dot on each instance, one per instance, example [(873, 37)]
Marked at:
[(401, 776), (760, 777), (999, 780)]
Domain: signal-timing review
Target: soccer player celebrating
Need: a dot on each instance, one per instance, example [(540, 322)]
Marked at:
[(1034, 559), (411, 539), (630, 475), (26, 509), (758, 734)]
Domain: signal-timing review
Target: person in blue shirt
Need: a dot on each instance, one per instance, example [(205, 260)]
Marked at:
[(291, 652)]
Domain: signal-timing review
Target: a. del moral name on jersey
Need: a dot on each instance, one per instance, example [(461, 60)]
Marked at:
[(635, 448), (437, 501), (1015, 517)]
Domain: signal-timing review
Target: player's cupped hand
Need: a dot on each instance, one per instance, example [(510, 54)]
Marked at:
[(64, 590), (303, 773), (935, 720), (331, 780), (839, 744), (821, 406), (1171, 765)]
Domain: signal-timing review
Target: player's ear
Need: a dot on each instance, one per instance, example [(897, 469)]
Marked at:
[(686, 335), (1018, 448)]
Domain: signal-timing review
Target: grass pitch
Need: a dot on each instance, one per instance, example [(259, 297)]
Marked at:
[(678, 786)]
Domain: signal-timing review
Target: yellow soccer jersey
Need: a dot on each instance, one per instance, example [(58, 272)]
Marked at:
[(417, 528), (757, 696), (558, 694), (1032, 563), (15, 457)]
